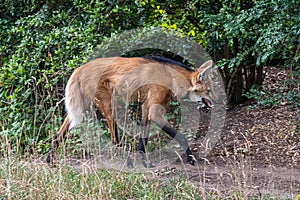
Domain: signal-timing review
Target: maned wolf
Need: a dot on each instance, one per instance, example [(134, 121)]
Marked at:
[(151, 80)]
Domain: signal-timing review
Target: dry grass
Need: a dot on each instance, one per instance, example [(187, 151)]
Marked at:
[(33, 179)]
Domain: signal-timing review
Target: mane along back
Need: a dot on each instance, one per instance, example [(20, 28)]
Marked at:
[(167, 61)]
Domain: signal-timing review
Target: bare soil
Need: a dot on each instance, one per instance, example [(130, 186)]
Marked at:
[(257, 155), (258, 152)]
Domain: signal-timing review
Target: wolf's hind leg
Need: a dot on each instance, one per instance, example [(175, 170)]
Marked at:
[(57, 138)]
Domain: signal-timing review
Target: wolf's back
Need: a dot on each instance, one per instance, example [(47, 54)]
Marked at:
[(81, 88)]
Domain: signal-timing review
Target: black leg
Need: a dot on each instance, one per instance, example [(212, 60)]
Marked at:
[(55, 143), (142, 151), (142, 144), (141, 147), (117, 142), (50, 157), (182, 141), (57, 138)]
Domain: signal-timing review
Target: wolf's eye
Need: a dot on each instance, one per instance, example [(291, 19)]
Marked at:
[(200, 77)]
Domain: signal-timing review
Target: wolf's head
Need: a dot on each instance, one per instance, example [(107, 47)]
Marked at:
[(201, 89)]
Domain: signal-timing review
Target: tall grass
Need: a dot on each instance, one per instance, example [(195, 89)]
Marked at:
[(31, 178), (22, 179), (27, 176)]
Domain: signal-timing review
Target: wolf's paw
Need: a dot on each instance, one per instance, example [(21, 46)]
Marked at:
[(191, 160)]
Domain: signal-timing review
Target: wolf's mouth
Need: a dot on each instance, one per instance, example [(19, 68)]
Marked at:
[(207, 102)]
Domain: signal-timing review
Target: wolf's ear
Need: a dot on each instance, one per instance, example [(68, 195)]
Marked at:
[(204, 70)]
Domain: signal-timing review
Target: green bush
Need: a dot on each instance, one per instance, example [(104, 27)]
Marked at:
[(244, 36), (42, 42)]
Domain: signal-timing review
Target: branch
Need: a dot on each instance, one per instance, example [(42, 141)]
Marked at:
[(231, 80), (291, 68)]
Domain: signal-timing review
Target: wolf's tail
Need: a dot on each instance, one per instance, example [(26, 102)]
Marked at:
[(81, 88), (76, 101)]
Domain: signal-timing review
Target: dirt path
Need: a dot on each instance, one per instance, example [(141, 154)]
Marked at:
[(258, 153), (258, 150)]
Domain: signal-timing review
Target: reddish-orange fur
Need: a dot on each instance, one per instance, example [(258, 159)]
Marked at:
[(152, 82)]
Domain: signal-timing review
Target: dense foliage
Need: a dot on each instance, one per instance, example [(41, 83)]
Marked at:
[(42, 42)]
